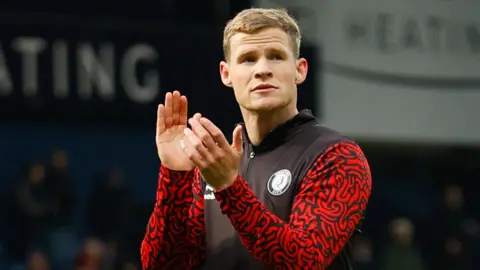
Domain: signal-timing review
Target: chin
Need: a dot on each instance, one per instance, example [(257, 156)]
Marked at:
[(267, 104)]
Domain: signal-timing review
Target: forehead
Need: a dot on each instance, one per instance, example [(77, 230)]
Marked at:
[(268, 38)]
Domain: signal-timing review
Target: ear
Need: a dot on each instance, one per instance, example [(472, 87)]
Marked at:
[(225, 74), (302, 70)]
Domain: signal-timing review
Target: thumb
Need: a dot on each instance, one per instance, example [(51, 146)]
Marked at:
[(237, 139)]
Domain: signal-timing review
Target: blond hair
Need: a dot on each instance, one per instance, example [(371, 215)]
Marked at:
[(254, 20)]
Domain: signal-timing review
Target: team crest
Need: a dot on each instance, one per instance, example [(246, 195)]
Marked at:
[(279, 182)]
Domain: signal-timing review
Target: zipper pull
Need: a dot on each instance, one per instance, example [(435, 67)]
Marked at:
[(252, 154)]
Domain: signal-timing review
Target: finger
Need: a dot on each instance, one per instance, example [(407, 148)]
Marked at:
[(183, 113), (197, 116), (197, 144), (168, 110), (160, 119), (216, 133), (202, 134), (191, 153), (237, 139), (175, 107)]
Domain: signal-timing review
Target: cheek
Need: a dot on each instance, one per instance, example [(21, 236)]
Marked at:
[(240, 81), (239, 86), (286, 73), (288, 76)]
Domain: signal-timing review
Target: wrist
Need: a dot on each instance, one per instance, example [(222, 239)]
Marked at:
[(164, 166), (175, 168), (227, 184)]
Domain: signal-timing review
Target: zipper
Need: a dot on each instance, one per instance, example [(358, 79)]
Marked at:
[(251, 155)]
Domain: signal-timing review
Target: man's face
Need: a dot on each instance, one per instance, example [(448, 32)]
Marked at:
[(263, 70)]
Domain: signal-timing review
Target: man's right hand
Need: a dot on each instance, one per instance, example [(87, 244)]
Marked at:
[(171, 122)]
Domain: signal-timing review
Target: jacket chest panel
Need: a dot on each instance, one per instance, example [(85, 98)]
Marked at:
[(274, 177)]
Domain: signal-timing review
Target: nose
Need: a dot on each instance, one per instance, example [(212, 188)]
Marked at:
[(263, 70)]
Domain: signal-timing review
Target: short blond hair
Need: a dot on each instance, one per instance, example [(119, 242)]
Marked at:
[(254, 20)]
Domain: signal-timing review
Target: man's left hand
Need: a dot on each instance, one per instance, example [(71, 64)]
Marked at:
[(217, 160)]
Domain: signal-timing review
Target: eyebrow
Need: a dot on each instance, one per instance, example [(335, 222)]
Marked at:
[(253, 52)]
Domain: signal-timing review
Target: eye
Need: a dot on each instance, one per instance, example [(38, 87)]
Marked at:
[(249, 59), (277, 57)]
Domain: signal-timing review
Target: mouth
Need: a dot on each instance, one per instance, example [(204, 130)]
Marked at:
[(264, 88)]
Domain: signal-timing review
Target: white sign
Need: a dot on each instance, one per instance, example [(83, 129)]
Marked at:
[(95, 70), (397, 70), (421, 38), (402, 70)]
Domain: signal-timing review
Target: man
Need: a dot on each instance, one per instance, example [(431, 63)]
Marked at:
[(288, 193)]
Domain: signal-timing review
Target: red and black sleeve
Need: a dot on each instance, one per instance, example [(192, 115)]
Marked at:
[(175, 232), (328, 206)]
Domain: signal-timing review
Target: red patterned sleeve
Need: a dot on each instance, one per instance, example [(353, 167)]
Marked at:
[(328, 206), (175, 232)]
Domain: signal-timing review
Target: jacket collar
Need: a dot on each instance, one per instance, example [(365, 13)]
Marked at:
[(280, 134)]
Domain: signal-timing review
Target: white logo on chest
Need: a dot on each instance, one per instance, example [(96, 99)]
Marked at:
[(208, 194), (279, 182)]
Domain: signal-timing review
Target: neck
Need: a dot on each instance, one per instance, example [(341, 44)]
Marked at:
[(260, 124)]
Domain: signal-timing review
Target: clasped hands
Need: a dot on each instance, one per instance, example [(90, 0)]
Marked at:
[(206, 146)]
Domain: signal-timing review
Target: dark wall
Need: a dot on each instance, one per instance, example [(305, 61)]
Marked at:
[(84, 104)]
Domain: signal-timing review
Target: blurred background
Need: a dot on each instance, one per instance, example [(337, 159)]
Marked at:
[(80, 82)]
